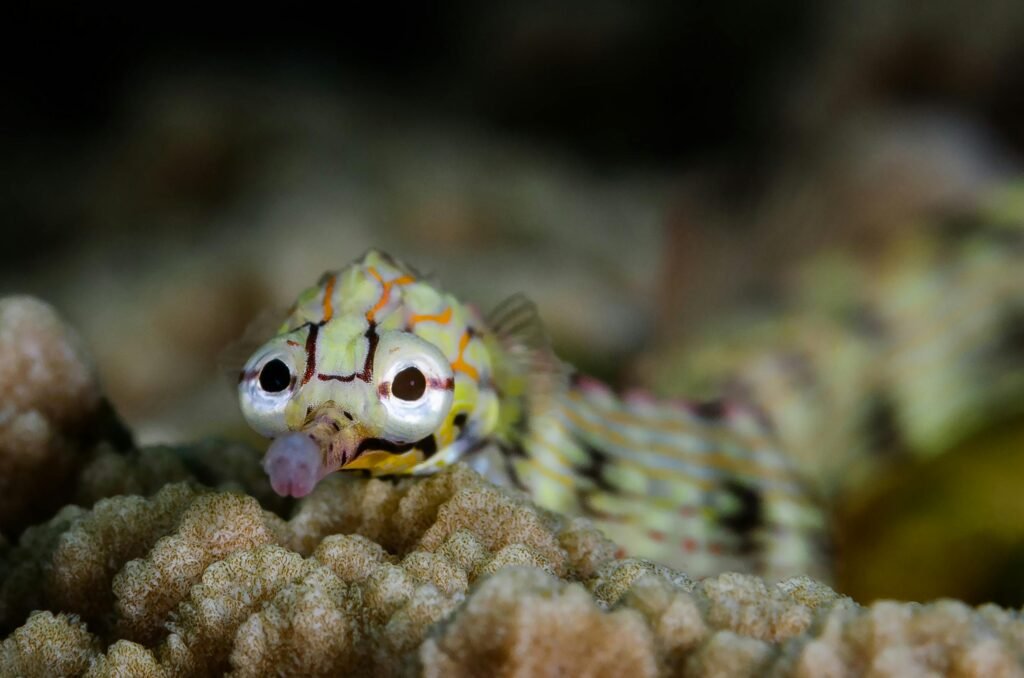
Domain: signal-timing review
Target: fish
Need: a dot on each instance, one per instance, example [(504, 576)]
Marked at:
[(377, 369), (881, 360)]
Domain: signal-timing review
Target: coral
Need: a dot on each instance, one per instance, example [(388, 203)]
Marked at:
[(230, 593), (210, 528), (445, 575), (203, 581), (219, 464), (524, 622), (48, 645), (48, 399), (891, 638), (191, 570)]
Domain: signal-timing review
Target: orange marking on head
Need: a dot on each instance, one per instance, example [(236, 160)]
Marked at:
[(460, 363), (385, 294), (293, 343), (442, 318), (328, 293)]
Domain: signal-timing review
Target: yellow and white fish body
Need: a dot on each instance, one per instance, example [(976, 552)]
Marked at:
[(377, 369)]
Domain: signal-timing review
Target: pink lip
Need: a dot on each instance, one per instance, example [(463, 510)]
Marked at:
[(294, 464)]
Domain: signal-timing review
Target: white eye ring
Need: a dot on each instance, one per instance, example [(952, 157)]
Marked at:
[(262, 406), (415, 419)]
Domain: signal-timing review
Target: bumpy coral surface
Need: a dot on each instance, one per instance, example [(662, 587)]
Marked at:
[(192, 581), (48, 399), (180, 562), (440, 576)]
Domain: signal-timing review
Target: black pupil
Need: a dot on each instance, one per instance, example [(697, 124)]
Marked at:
[(275, 377), (409, 384)]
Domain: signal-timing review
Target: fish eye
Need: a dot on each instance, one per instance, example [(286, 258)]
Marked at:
[(275, 376), (409, 384), (266, 387), (415, 385)]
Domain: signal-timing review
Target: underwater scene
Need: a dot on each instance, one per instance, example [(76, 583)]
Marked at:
[(538, 339)]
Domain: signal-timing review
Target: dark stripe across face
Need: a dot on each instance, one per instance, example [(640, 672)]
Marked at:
[(314, 330), (366, 375), (427, 445)]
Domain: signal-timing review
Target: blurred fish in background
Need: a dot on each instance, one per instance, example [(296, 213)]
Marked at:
[(660, 178)]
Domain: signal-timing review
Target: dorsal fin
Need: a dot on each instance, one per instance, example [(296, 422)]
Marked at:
[(517, 326)]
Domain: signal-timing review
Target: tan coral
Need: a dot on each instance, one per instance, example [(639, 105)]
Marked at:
[(97, 545), (132, 565), (219, 464), (125, 659), (614, 580), (899, 639), (212, 527), (305, 630), (524, 622), (144, 472), (203, 626), (501, 521), (199, 582), (48, 645), (342, 505), (48, 396), (747, 605), (676, 619), (23, 588), (729, 655), (45, 368), (352, 557)]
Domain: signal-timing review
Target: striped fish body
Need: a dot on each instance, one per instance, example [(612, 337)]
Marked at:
[(377, 370), (875, 361), (700, 486)]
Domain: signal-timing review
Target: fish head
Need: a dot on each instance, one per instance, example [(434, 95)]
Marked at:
[(373, 370)]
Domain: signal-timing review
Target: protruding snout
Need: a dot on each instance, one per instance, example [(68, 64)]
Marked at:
[(298, 460), (294, 464)]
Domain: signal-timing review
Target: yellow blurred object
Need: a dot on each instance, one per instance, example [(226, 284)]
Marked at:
[(937, 528)]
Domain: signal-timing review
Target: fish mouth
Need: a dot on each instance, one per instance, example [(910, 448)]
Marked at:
[(294, 464), (297, 461), (381, 445)]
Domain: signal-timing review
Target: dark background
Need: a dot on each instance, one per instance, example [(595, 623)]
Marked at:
[(168, 172)]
